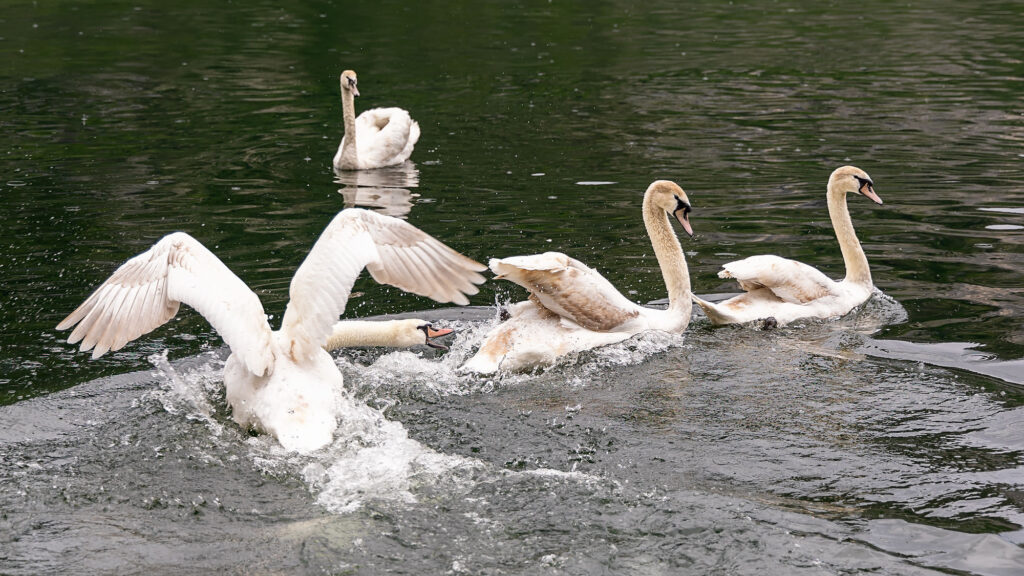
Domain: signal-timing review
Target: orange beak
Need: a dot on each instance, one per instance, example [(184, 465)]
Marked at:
[(684, 220), (432, 333), (868, 191)]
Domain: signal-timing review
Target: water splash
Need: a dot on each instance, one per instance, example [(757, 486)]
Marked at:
[(391, 376), (371, 458), (879, 311), (188, 392), (636, 350)]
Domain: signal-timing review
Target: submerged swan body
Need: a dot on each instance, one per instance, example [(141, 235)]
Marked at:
[(573, 308), (378, 137), (786, 290), (280, 382)]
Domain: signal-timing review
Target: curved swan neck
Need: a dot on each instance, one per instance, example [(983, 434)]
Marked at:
[(349, 158), (351, 333), (670, 255), (853, 254)]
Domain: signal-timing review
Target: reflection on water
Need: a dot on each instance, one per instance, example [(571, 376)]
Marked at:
[(383, 189), (961, 355), (390, 201), (403, 175)]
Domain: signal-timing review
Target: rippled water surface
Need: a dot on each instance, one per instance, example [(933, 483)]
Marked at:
[(889, 441)]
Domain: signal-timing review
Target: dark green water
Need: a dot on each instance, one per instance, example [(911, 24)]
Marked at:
[(543, 122)]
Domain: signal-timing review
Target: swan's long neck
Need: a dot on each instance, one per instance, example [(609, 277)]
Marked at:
[(670, 256), (350, 333), (857, 270), (348, 151)]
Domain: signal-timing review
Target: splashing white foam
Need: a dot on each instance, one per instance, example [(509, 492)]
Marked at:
[(404, 373), (371, 458), (637, 349), (187, 392), (374, 458), (884, 308), (879, 311)]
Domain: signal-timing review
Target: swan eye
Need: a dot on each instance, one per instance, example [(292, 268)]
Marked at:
[(681, 205), (351, 81), (862, 182)]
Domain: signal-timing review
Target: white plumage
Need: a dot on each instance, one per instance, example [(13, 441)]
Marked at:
[(573, 308), (786, 290), (284, 382), (377, 138)]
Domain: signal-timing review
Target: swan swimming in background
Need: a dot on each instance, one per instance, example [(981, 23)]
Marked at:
[(280, 382), (786, 290), (378, 137), (573, 308)]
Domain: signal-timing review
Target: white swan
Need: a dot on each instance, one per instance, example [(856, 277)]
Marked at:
[(377, 138), (785, 290), (573, 308), (281, 382)]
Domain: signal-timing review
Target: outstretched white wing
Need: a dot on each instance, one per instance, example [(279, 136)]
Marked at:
[(145, 293), (394, 251), (791, 281)]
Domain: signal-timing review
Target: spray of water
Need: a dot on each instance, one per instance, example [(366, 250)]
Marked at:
[(372, 457)]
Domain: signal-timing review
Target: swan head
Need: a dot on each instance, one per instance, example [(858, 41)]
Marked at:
[(668, 196), (852, 179), (416, 332), (348, 82)]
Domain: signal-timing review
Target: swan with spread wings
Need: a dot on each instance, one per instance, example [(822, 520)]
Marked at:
[(279, 382)]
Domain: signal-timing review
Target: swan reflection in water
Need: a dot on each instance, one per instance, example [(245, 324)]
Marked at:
[(404, 175), (384, 190), (395, 202)]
